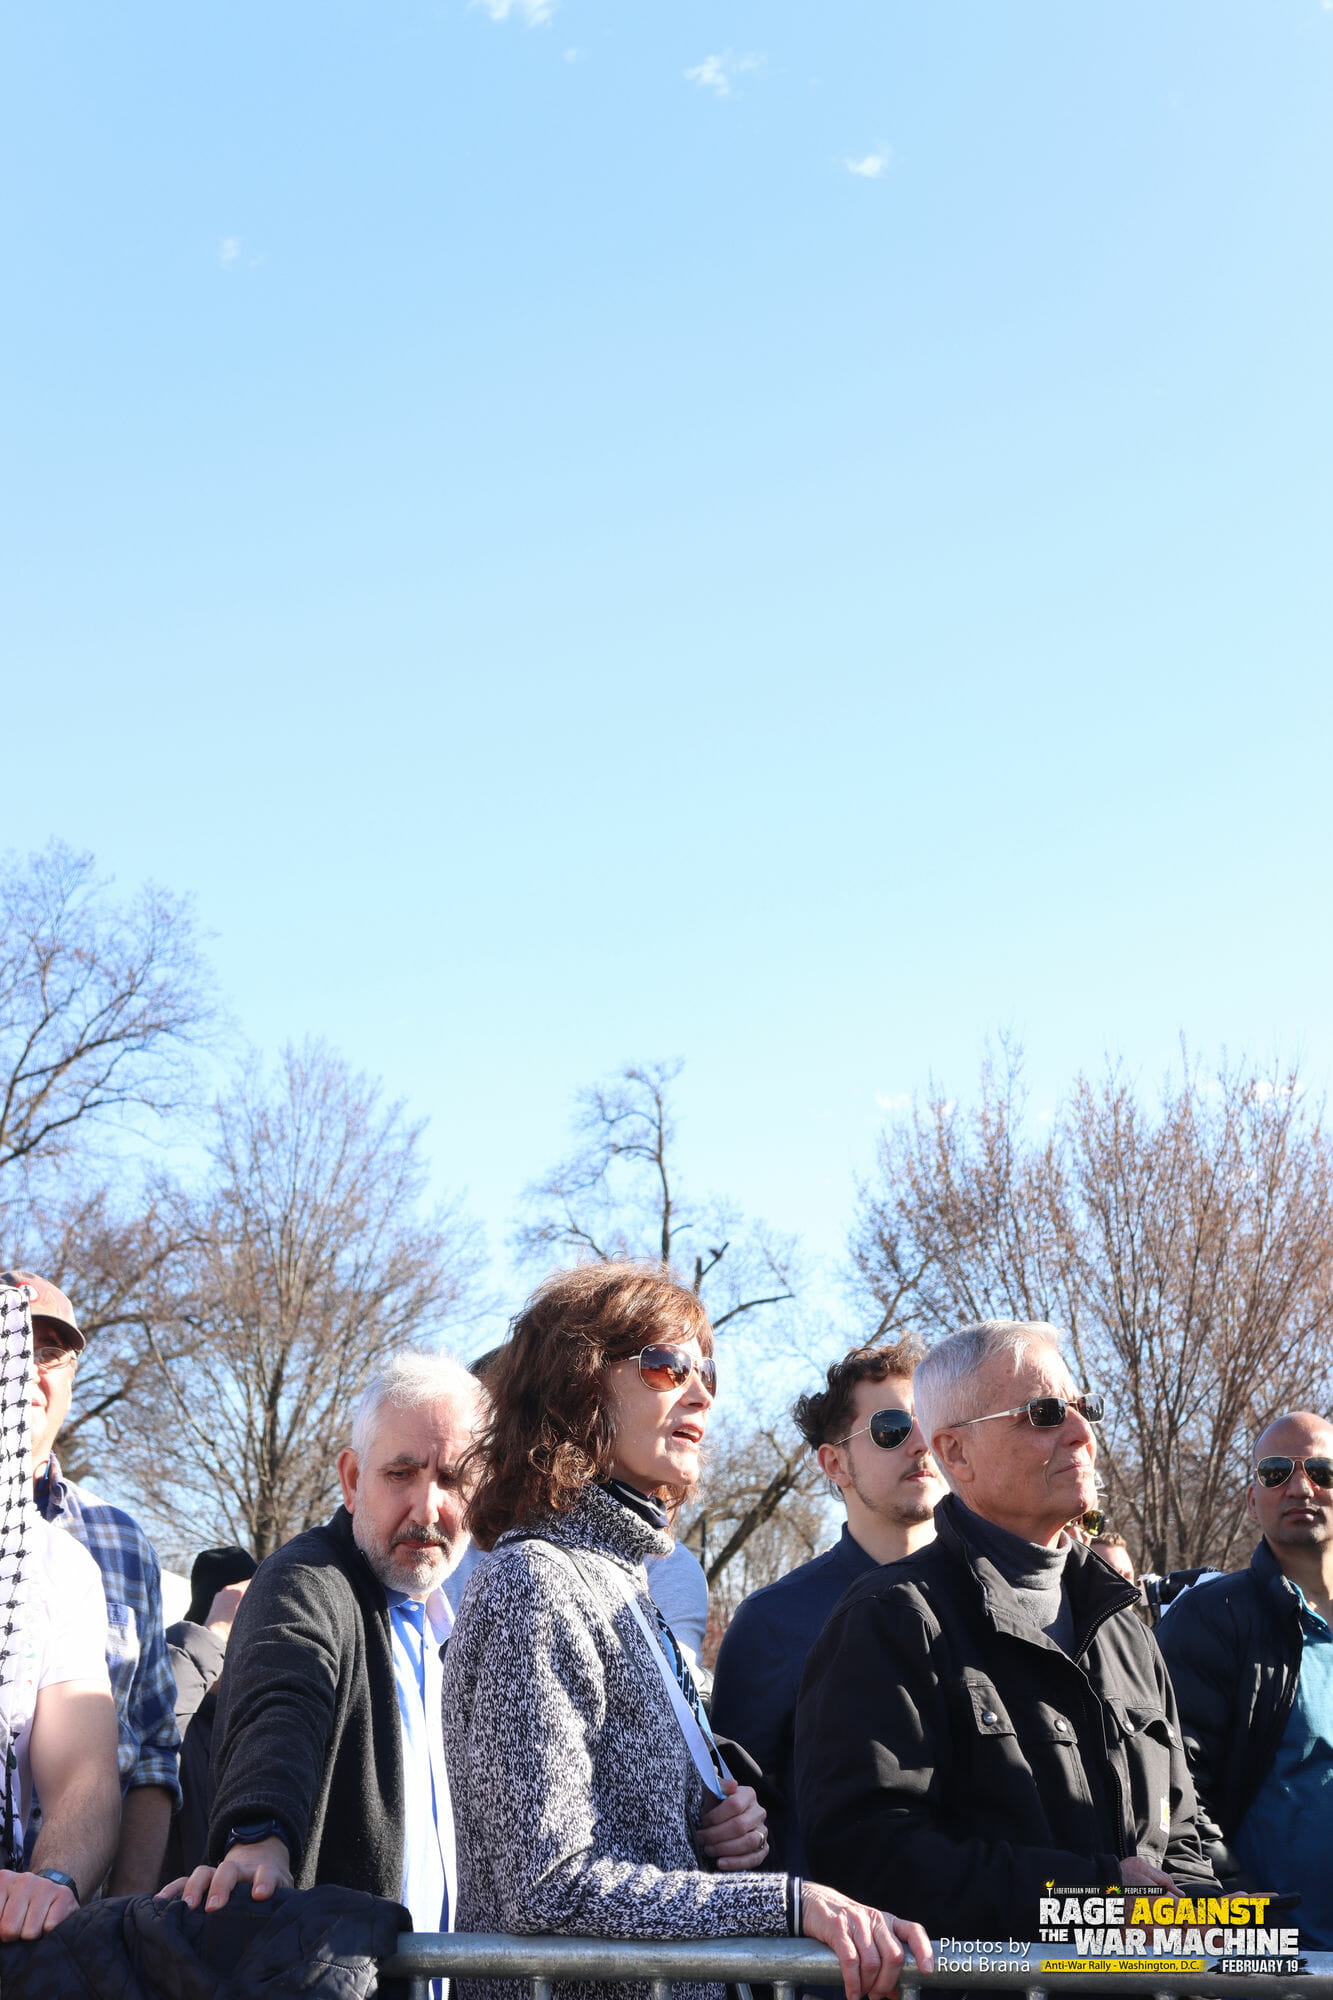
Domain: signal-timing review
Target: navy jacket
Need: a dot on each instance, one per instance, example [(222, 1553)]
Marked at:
[(758, 1676), (1232, 1646)]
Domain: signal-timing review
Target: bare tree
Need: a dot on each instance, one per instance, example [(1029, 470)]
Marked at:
[(1200, 1238), (619, 1194), (125, 1267), (100, 1003), (308, 1262), (1187, 1245)]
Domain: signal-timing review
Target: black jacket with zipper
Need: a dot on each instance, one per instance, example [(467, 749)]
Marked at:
[(1233, 1649), (951, 1760)]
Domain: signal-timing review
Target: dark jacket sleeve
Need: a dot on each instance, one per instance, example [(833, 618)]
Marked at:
[(1206, 1675), (884, 1807), (196, 1656), (276, 1704), (754, 1691), (755, 1684)]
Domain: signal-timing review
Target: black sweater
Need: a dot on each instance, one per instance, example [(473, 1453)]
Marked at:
[(307, 1726)]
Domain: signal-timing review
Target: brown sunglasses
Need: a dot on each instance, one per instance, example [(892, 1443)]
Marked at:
[(671, 1367)]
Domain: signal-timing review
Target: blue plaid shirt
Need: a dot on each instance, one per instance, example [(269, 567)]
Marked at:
[(141, 1677)]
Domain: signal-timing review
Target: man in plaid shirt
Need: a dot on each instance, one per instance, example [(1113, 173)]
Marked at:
[(141, 1677)]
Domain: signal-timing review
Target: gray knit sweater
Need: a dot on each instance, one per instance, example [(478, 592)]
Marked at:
[(575, 1798)]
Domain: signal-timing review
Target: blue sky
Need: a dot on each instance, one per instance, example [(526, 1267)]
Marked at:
[(788, 536)]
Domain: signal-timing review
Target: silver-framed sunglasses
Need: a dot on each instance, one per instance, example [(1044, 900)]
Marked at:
[(1047, 1413)]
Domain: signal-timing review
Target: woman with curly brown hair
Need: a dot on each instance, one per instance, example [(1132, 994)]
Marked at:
[(589, 1795)]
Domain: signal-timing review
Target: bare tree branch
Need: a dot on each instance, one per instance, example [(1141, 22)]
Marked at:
[(1187, 1247), (100, 1003)]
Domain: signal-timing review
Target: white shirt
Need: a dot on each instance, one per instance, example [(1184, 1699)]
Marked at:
[(64, 1636)]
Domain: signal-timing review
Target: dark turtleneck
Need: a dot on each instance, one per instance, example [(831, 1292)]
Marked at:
[(645, 1505), (1036, 1576)]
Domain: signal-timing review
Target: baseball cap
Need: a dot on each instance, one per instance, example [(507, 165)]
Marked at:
[(48, 1302)]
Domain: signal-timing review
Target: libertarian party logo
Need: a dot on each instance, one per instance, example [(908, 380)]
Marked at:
[(1121, 1930)]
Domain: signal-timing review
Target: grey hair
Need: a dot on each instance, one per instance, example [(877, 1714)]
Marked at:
[(408, 1382), (943, 1381)]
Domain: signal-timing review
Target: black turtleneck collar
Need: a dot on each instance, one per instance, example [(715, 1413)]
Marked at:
[(645, 1505)]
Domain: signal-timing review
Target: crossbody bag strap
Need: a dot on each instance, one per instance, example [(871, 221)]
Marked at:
[(704, 1753)]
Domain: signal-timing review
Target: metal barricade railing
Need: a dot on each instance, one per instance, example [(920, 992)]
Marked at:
[(788, 1964)]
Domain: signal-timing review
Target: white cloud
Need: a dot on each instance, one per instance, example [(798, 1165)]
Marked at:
[(534, 12), (229, 250), (894, 1100), (573, 55), (873, 167), (716, 72)]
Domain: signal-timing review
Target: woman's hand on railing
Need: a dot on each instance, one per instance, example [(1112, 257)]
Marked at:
[(734, 1833), (868, 1943)]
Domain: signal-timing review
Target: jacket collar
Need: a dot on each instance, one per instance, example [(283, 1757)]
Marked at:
[(1095, 1592), (1277, 1586), (848, 1554)]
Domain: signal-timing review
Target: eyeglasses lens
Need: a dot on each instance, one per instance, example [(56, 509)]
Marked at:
[(669, 1368), (890, 1428), (1049, 1412), (1277, 1471), (48, 1356)]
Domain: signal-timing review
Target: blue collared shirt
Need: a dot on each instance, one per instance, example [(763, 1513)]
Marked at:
[(148, 1746), (417, 1632)]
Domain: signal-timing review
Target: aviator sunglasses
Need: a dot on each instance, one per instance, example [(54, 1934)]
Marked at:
[(1276, 1471), (1047, 1413), (671, 1367), (888, 1429)]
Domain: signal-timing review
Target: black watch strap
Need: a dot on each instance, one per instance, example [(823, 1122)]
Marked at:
[(253, 1830), (60, 1878)]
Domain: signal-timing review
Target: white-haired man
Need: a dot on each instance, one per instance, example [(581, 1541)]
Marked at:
[(988, 1715), (328, 1758)]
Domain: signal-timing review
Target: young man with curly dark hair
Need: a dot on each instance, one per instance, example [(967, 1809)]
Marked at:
[(862, 1430)]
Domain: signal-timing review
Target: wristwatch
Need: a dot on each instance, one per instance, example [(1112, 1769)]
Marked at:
[(259, 1829), (61, 1880)]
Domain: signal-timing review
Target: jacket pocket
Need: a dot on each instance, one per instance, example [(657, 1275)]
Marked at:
[(1147, 1749)]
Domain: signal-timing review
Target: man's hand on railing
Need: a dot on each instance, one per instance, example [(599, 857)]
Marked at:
[(868, 1943), (734, 1833), (264, 1864)]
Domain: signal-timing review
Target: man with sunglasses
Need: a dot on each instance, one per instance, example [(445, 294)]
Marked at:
[(1251, 1656), (989, 1715), (862, 1430)]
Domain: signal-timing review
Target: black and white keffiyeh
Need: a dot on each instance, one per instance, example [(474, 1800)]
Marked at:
[(17, 1529)]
